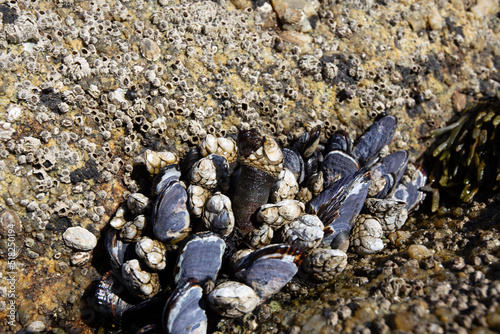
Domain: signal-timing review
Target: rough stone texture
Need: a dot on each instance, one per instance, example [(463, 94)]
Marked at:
[(79, 238), (83, 79)]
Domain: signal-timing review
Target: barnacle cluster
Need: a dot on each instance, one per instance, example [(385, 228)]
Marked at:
[(88, 86), (468, 160)]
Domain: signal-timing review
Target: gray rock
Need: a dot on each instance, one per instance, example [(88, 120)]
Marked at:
[(79, 238)]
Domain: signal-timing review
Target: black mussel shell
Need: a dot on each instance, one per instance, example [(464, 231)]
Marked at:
[(118, 250), (294, 163), (374, 139), (410, 192), (164, 178), (112, 298), (308, 142), (189, 160), (170, 217), (341, 141), (143, 317), (184, 312), (200, 258), (339, 205), (391, 168), (269, 269), (337, 165)]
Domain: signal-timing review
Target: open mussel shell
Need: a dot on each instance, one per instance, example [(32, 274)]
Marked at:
[(200, 258), (270, 268), (112, 298), (184, 312), (170, 217), (374, 139)]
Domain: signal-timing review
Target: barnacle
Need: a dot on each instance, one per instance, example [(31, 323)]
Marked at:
[(468, 159)]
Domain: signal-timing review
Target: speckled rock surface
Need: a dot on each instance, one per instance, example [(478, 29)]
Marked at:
[(88, 86)]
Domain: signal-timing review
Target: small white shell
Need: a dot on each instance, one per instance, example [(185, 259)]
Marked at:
[(261, 237), (138, 203), (204, 173), (285, 188)]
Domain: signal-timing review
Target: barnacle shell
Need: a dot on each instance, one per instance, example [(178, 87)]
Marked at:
[(392, 213), (278, 214), (233, 299), (286, 187), (261, 236), (366, 235), (225, 147), (132, 230), (210, 172), (140, 283), (197, 196), (306, 231), (323, 264), (152, 252), (218, 215), (155, 161), (138, 203)]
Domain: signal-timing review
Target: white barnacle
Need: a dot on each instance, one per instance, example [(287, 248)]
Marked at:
[(78, 68)]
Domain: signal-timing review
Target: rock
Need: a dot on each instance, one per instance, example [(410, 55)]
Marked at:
[(79, 238), (35, 327), (435, 20), (10, 224), (419, 252)]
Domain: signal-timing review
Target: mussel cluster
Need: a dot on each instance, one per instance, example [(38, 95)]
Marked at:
[(243, 217), (469, 157)]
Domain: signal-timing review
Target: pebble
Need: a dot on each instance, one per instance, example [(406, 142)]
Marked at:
[(419, 252), (35, 327), (404, 321), (9, 223), (150, 50), (493, 320), (79, 238)]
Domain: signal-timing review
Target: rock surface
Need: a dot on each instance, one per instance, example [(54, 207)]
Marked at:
[(88, 86)]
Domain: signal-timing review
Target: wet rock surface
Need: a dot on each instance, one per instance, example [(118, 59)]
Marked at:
[(88, 86)]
